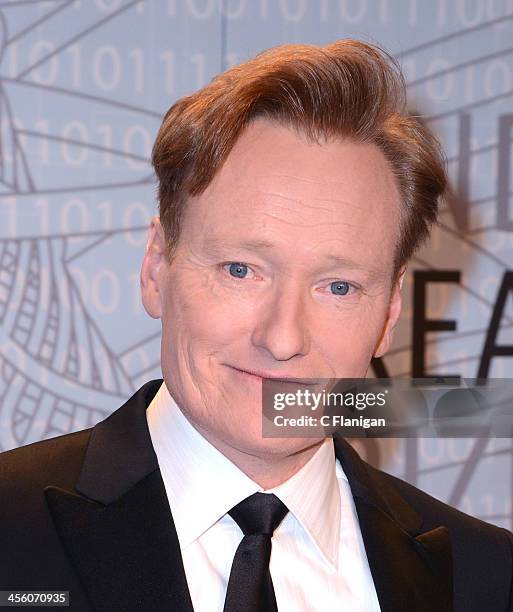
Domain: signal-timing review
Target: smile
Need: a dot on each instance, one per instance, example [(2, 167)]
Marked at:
[(260, 375)]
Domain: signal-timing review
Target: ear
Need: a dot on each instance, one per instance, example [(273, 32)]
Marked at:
[(394, 310), (153, 268)]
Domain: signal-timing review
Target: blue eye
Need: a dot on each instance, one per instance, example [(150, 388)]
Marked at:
[(339, 287), (239, 270)]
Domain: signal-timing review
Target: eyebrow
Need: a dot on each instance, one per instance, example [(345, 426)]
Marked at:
[(256, 244), (346, 262)]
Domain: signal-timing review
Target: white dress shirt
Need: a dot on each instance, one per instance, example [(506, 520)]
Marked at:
[(318, 560)]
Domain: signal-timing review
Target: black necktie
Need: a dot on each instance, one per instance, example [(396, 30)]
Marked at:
[(250, 588)]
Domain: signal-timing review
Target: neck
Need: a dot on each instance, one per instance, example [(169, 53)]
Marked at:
[(267, 469)]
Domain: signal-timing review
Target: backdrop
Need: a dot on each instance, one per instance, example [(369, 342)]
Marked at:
[(83, 87)]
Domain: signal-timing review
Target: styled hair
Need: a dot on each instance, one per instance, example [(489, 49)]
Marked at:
[(348, 89)]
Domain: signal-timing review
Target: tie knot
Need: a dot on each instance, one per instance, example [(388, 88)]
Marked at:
[(259, 513)]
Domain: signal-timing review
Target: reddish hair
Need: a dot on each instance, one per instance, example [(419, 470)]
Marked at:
[(348, 89)]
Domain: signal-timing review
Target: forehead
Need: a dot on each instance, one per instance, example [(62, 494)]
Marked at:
[(277, 187)]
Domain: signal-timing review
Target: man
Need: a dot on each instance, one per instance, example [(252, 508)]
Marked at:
[(293, 189)]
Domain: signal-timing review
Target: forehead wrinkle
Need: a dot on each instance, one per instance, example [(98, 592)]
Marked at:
[(297, 222), (303, 179), (299, 203), (281, 196), (305, 205), (337, 201)]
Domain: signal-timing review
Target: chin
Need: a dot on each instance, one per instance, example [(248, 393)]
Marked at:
[(277, 447)]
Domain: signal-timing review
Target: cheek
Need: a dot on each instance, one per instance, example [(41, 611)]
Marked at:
[(197, 312), (347, 341)]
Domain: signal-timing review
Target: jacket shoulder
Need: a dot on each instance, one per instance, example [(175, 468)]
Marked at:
[(432, 508), (471, 537), (52, 461), (32, 555)]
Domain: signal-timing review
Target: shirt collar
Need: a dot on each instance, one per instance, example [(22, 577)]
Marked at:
[(203, 485), (312, 494)]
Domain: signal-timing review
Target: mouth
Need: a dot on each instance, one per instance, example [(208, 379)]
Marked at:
[(260, 375)]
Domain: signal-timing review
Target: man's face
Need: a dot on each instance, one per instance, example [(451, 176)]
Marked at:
[(283, 267)]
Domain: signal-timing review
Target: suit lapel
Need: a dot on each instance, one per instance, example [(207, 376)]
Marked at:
[(118, 530), (411, 567)]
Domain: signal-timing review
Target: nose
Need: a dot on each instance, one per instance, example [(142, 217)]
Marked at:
[(282, 326)]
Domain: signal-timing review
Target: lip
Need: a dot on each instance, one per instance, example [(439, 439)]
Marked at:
[(280, 377)]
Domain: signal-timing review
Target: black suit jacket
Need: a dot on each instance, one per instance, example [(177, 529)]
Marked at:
[(87, 512)]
